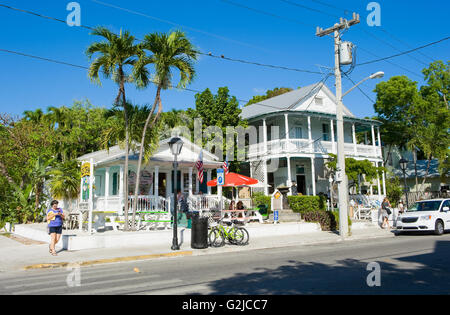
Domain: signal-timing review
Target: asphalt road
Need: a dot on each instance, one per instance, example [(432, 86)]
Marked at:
[(412, 264)]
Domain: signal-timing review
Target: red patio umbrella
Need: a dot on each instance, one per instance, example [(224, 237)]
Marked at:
[(234, 180)]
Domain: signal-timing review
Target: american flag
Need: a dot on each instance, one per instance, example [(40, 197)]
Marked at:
[(199, 166), (226, 166)]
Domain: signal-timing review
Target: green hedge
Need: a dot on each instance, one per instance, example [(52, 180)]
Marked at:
[(261, 199), (301, 204), (325, 218)]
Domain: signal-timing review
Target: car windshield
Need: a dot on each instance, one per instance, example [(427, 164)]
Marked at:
[(426, 206)]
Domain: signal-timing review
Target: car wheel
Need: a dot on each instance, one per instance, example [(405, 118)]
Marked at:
[(439, 228)]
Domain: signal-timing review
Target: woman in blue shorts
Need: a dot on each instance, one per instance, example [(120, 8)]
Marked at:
[(55, 217)]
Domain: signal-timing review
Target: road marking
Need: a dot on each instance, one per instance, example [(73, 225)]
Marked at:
[(128, 287), (185, 289), (83, 285), (107, 261)]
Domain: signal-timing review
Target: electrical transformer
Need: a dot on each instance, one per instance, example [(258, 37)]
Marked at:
[(345, 53)]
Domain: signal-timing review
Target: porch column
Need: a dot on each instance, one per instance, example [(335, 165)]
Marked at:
[(208, 178), (107, 188), (354, 139), (266, 178), (310, 135), (197, 184), (265, 135), (181, 179), (156, 182), (333, 144), (289, 179), (373, 141), (384, 181), (169, 184), (379, 140), (190, 181), (120, 183), (286, 131), (91, 196), (313, 176)]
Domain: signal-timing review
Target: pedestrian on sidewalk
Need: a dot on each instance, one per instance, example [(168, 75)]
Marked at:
[(55, 217), (385, 212)]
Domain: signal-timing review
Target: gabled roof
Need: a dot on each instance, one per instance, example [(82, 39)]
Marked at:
[(189, 154), (297, 100)]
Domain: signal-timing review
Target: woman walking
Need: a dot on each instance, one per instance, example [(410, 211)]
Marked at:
[(55, 217), (385, 212)]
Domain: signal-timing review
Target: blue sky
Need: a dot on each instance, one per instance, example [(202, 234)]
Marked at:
[(220, 28)]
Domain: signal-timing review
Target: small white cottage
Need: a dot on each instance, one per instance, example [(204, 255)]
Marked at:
[(157, 185)]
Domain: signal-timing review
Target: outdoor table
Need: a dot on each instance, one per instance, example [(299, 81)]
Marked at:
[(229, 215)]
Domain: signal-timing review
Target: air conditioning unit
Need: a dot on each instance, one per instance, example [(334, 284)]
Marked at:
[(345, 53)]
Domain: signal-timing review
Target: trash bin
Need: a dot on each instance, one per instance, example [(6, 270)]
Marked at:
[(199, 232)]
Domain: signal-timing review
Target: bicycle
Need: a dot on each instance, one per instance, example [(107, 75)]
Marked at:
[(234, 234)]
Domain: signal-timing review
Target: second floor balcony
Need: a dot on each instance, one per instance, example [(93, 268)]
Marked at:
[(316, 147)]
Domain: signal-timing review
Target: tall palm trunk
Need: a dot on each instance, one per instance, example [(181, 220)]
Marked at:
[(127, 145), (141, 149)]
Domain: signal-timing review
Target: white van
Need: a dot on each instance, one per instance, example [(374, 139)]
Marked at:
[(426, 215)]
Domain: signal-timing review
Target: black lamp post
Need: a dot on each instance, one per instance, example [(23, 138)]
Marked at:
[(175, 144), (403, 165)]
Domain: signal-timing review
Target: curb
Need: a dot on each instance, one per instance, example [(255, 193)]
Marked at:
[(105, 261)]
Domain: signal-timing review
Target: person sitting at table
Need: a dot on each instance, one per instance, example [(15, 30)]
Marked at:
[(232, 206), (240, 206)]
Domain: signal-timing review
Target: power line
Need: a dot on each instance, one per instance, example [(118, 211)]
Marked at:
[(280, 17), (405, 52), (358, 87), (87, 68), (308, 8), (264, 12), (368, 33), (202, 53)]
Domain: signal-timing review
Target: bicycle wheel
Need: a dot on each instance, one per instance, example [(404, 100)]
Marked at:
[(216, 238), (240, 236)]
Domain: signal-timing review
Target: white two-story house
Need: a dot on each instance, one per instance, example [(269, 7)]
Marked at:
[(297, 132)]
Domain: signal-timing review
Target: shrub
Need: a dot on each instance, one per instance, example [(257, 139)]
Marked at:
[(326, 219), (261, 199), (301, 204)]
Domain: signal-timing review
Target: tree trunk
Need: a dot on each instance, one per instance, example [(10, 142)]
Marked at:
[(388, 154), (141, 149), (125, 173), (415, 167), (426, 173)]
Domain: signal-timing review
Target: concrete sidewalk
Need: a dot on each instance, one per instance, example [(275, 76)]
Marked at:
[(16, 256)]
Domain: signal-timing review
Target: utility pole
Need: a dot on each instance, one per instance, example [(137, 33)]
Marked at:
[(341, 178)]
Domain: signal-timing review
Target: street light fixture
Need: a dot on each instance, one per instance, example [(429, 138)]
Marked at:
[(175, 144), (403, 165), (340, 174)]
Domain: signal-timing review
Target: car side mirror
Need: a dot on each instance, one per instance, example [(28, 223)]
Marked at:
[(445, 209)]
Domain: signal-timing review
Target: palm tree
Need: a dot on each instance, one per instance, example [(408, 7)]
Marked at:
[(65, 180), (35, 116), (169, 51), (117, 54)]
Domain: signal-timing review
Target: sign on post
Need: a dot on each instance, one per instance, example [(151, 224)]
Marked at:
[(220, 177)]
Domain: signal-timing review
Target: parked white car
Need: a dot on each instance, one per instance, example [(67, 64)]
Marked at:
[(426, 215)]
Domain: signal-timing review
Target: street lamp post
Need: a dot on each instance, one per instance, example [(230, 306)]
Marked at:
[(403, 165), (175, 144), (340, 174)]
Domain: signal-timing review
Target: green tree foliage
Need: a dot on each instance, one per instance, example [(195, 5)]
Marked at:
[(416, 118), (269, 94), (355, 168), (32, 150)]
